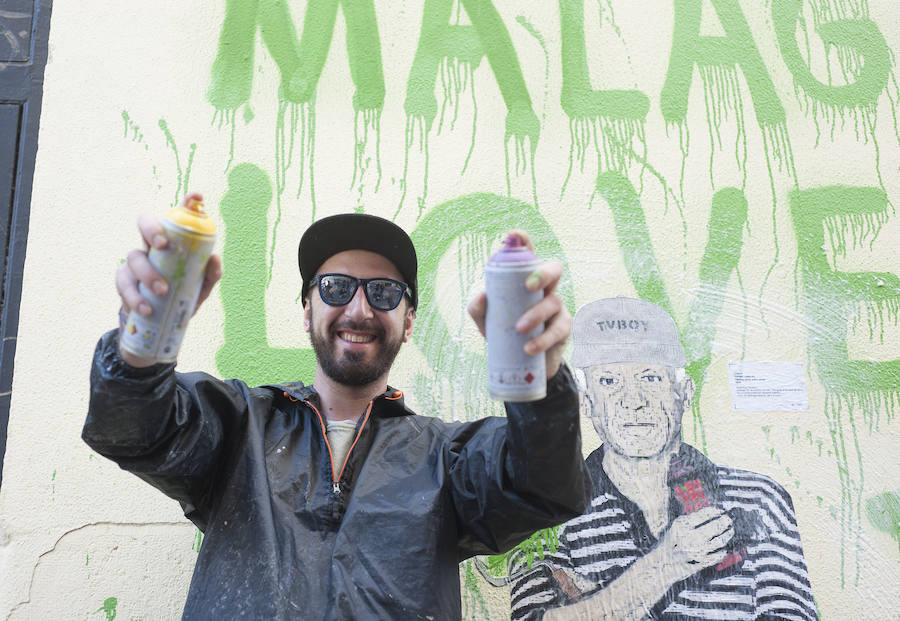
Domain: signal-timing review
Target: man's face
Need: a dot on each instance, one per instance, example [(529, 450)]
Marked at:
[(355, 344), (636, 408)]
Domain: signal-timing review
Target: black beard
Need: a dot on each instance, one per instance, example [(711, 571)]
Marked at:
[(350, 369)]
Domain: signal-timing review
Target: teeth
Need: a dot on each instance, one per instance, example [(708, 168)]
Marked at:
[(357, 338)]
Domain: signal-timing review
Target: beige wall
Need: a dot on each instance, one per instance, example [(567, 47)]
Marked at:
[(136, 112)]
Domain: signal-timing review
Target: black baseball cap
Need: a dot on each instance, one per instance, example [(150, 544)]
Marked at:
[(357, 231)]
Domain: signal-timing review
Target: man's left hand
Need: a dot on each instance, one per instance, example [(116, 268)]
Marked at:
[(550, 311)]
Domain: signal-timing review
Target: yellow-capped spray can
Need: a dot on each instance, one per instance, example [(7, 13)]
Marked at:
[(191, 234)]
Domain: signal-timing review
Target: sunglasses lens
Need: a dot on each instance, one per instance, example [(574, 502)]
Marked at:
[(384, 294), (336, 289)]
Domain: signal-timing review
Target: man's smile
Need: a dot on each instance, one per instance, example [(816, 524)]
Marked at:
[(353, 337)]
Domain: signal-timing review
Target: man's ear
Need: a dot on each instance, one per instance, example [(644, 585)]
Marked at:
[(408, 323), (307, 321)]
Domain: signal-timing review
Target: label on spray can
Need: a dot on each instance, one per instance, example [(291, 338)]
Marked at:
[(513, 375), (182, 263)]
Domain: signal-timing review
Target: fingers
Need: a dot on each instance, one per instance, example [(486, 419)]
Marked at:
[(546, 277), (478, 310), (210, 278), (126, 285), (720, 541), (556, 320), (152, 232), (137, 269)]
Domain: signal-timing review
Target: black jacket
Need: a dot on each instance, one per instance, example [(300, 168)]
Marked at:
[(284, 540)]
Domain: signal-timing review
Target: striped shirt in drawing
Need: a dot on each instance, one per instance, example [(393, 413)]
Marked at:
[(764, 577)]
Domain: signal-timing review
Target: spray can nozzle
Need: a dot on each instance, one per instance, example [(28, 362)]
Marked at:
[(513, 241)]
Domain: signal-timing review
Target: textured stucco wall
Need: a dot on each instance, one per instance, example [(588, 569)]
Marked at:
[(745, 182)]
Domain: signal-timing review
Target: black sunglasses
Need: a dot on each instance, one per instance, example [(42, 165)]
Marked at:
[(383, 294)]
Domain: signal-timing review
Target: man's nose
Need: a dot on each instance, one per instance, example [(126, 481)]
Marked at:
[(358, 306), (633, 398)]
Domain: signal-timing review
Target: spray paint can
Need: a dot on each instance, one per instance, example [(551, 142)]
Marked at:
[(513, 375), (182, 263)]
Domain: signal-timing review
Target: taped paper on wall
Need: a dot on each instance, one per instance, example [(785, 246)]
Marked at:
[(768, 387)]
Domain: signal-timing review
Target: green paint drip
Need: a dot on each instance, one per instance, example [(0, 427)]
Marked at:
[(170, 142), (198, 541), (108, 608), (721, 94), (412, 125), (777, 147), (475, 221), (246, 354), (366, 121)]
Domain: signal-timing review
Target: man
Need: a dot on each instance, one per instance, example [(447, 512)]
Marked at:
[(334, 501), (668, 534)]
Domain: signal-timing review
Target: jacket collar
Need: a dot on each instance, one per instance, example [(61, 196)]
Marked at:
[(388, 404)]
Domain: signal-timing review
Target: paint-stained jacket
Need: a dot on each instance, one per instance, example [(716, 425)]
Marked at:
[(286, 538)]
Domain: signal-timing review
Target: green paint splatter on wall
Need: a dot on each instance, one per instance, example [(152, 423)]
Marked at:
[(830, 299), (246, 353), (468, 225), (720, 258), (108, 608), (883, 511), (198, 541)]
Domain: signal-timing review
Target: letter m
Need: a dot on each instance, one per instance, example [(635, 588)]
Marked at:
[(300, 62)]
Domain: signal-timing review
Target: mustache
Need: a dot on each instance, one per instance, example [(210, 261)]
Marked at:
[(372, 327)]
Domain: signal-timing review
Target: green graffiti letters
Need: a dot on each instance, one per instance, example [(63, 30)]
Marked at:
[(620, 114), (736, 48), (486, 37), (578, 99), (299, 62), (720, 259), (246, 353), (829, 296), (862, 35), (830, 299)]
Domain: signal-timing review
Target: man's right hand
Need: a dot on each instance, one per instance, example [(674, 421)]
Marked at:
[(697, 540), (137, 269)]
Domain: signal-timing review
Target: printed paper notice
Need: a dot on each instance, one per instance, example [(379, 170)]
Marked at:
[(768, 387)]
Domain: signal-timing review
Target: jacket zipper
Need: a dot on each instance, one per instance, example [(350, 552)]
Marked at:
[(335, 476)]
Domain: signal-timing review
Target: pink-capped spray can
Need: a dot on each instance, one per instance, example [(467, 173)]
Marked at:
[(513, 375)]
